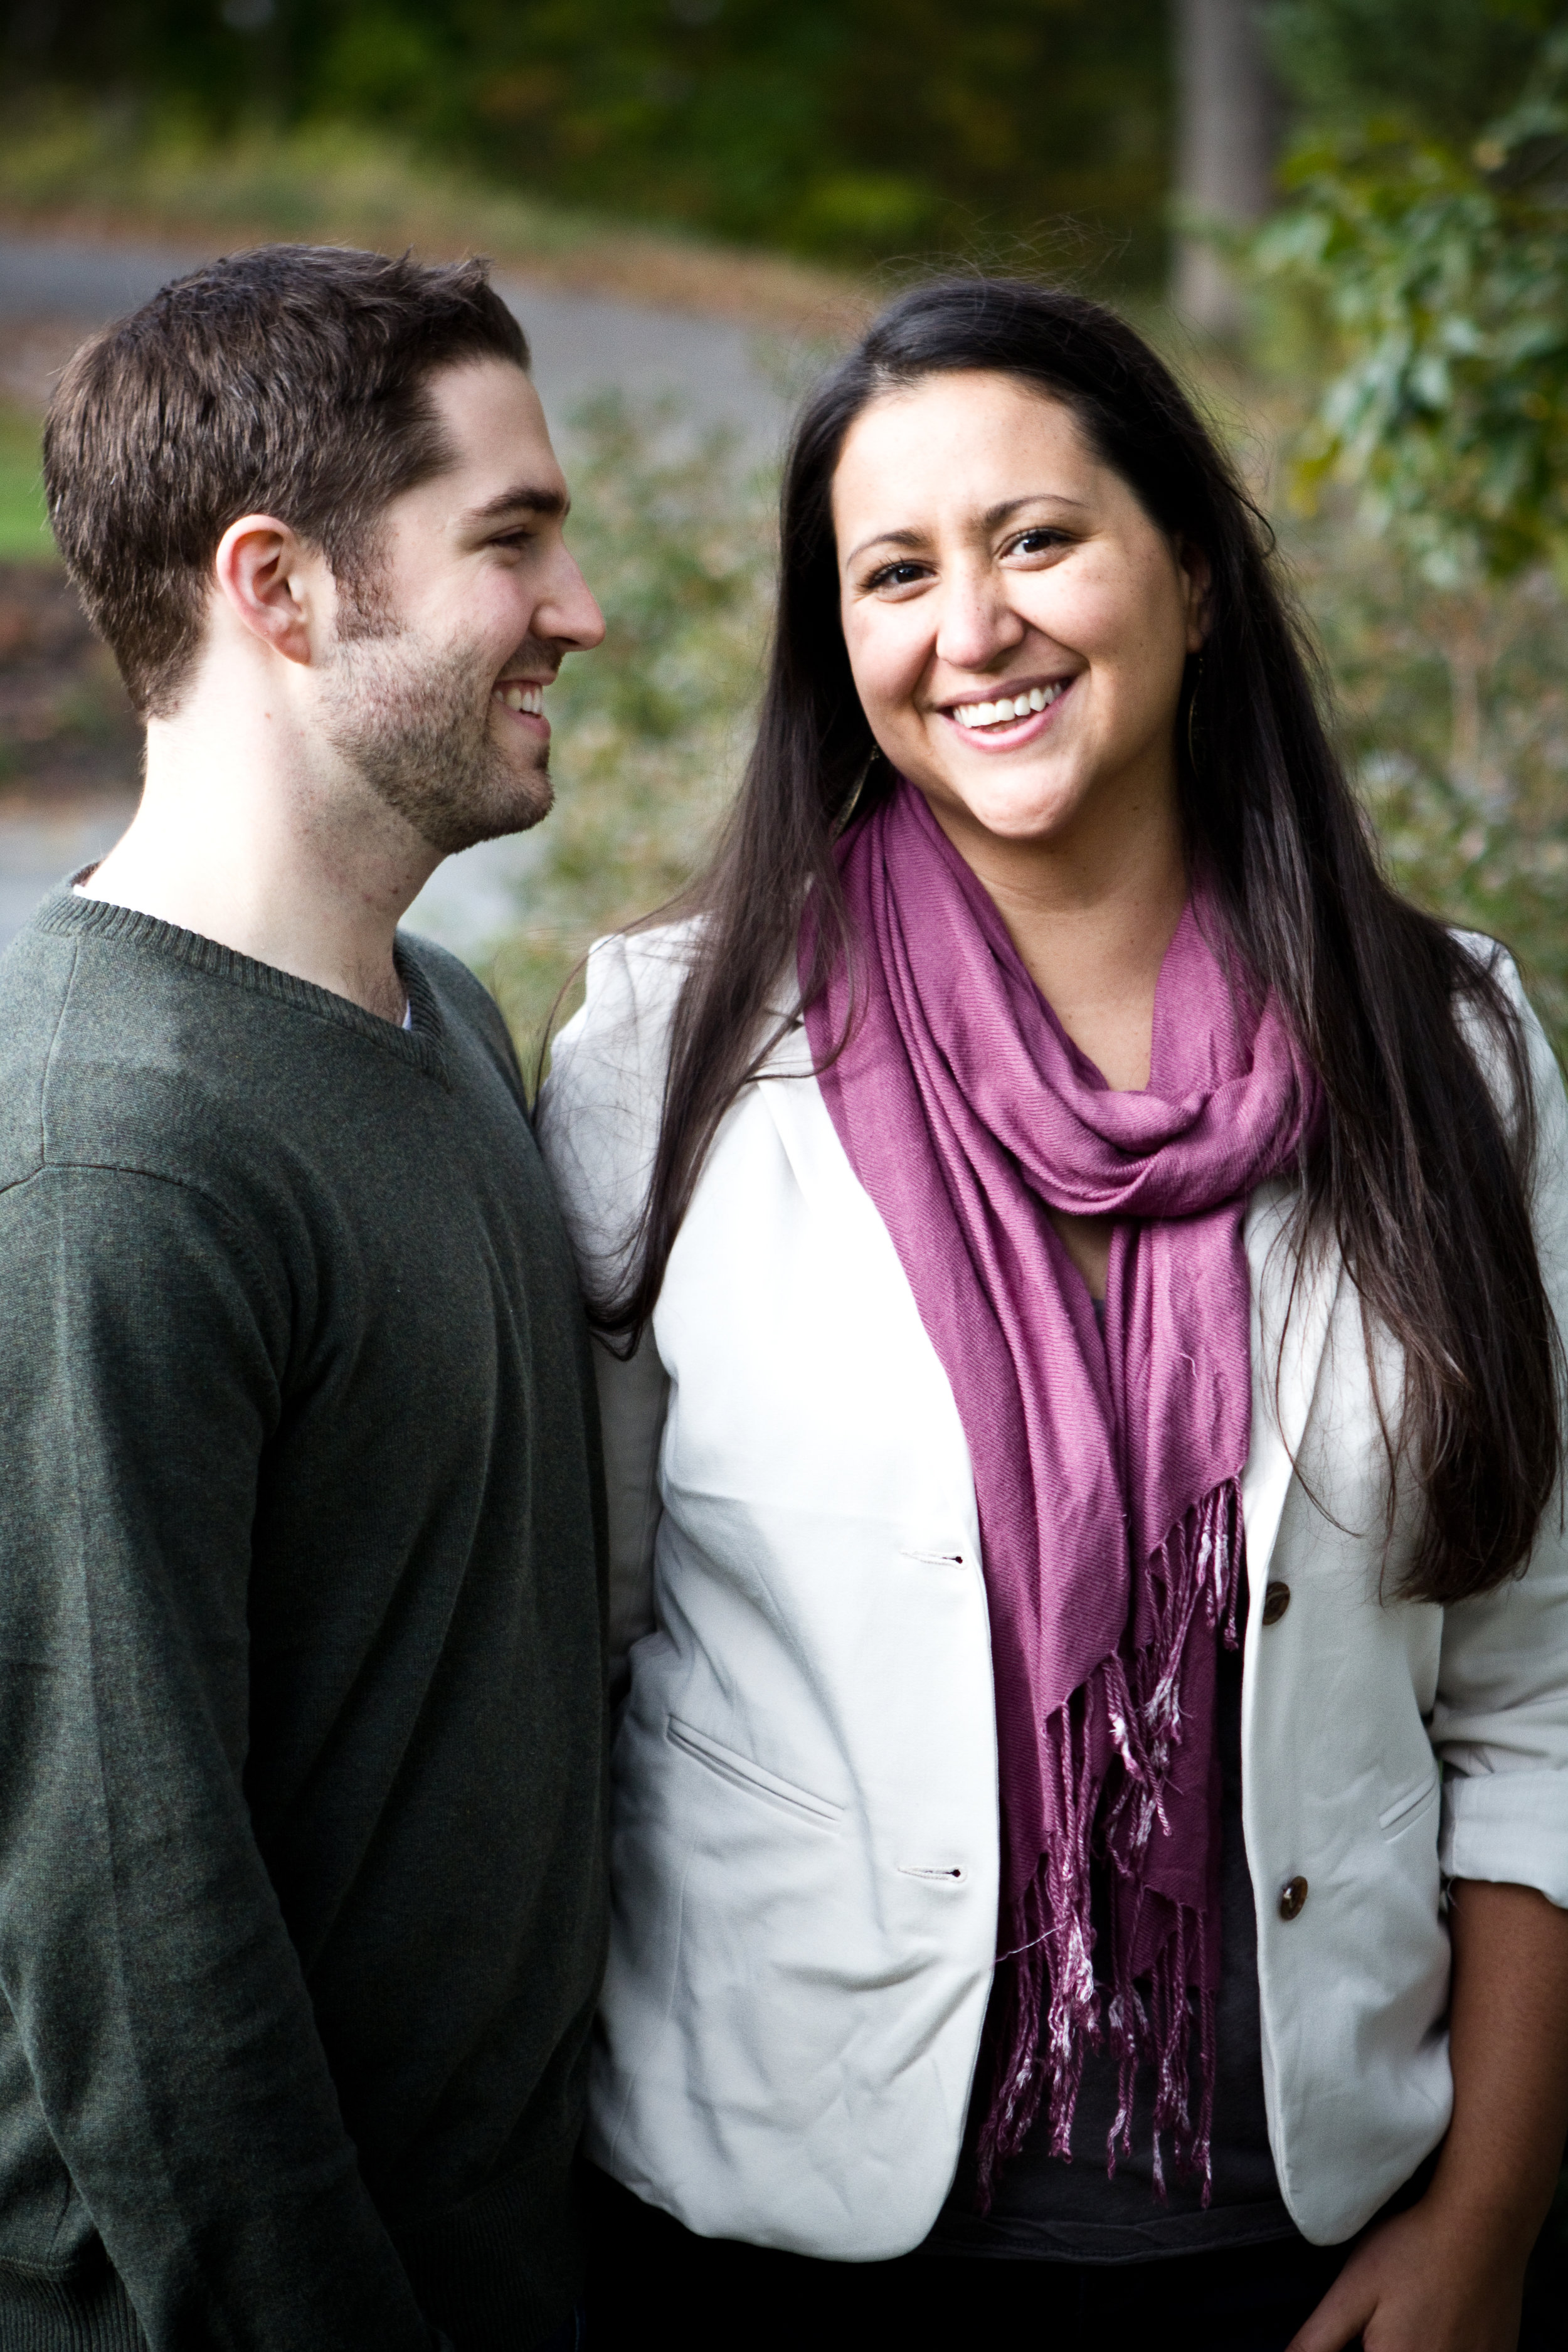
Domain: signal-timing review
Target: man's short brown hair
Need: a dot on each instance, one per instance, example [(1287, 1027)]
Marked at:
[(292, 382)]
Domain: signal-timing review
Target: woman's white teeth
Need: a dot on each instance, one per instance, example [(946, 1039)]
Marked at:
[(516, 697), (1007, 708)]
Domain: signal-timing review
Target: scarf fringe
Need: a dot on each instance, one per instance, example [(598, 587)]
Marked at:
[(1051, 1999)]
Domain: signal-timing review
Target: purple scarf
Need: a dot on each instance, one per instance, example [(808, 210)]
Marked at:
[(1107, 1471)]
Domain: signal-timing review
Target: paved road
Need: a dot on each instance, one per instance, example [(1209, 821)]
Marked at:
[(36, 852), (721, 374), (717, 372)]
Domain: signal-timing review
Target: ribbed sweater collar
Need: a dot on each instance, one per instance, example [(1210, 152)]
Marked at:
[(65, 913)]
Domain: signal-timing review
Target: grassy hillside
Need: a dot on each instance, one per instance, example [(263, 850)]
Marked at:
[(23, 532), (108, 170)]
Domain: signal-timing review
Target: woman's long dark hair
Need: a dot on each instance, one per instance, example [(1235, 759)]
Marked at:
[(1419, 1177)]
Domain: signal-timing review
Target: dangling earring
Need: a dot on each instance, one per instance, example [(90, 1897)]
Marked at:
[(1191, 715), (847, 817)]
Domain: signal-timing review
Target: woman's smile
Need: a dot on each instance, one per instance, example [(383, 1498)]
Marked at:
[(1008, 719)]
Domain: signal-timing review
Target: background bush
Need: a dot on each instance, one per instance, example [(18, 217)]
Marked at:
[(841, 128)]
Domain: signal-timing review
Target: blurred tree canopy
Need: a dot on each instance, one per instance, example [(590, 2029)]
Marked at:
[(1440, 268), (841, 128), (1423, 246), (1443, 67)]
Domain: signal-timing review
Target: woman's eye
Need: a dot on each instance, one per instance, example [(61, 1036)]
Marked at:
[(897, 576), (1038, 543)]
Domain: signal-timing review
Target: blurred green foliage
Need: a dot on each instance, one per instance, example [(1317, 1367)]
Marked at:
[(1419, 264), (1443, 67), (314, 181), (650, 731), (1443, 274), (24, 524), (846, 129), (1454, 714)]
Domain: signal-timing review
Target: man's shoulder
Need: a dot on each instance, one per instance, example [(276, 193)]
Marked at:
[(115, 1059), (97, 1081), (261, 1092)]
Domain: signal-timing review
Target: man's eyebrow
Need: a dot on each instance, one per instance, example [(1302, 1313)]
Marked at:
[(523, 498)]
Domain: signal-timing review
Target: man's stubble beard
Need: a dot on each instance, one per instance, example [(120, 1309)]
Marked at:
[(416, 725)]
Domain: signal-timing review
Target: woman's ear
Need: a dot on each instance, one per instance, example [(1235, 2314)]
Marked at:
[(1196, 579)]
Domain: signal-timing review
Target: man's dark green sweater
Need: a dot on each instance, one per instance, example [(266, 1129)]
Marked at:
[(301, 1740)]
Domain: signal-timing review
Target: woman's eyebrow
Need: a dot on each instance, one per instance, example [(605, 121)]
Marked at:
[(996, 516), (887, 538), (992, 519)]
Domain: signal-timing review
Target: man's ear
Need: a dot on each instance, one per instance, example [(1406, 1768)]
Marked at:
[(1196, 579), (270, 581)]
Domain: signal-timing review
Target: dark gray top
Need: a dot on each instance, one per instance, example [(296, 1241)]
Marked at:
[(1050, 2209), (301, 1736)]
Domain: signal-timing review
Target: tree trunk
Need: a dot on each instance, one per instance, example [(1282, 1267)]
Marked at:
[(1228, 120)]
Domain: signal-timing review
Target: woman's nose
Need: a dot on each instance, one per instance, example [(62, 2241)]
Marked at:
[(977, 622)]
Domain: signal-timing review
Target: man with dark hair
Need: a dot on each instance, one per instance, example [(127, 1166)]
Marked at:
[(301, 1741)]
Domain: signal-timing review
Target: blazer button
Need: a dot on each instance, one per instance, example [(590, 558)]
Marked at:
[(1293, 1898), (1276, 1600)]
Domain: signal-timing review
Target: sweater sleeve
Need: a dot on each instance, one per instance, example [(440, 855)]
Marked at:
[(156, 1992)]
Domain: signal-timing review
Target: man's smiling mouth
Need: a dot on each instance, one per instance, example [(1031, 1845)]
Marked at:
[(520, 694)]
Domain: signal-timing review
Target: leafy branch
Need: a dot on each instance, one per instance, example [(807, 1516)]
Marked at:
[(1442, 279)]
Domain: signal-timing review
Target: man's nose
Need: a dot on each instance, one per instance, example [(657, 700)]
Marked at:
[(568, 614)]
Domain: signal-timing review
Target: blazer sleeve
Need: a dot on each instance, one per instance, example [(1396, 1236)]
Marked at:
[(598, 1120), (1500, 1723)]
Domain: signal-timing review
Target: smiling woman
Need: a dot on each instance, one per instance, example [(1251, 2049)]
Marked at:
[(1079, 1261), (1019, 658)]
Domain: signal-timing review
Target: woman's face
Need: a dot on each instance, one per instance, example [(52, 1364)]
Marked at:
[(1017, 628)]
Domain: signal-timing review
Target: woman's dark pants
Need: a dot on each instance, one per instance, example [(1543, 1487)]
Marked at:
[(706, 2294)]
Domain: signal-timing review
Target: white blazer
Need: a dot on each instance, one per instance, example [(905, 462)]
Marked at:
[(804, 1857)]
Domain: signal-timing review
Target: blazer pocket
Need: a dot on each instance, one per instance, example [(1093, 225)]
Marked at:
[(1407, 1809), (741, 1772)]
